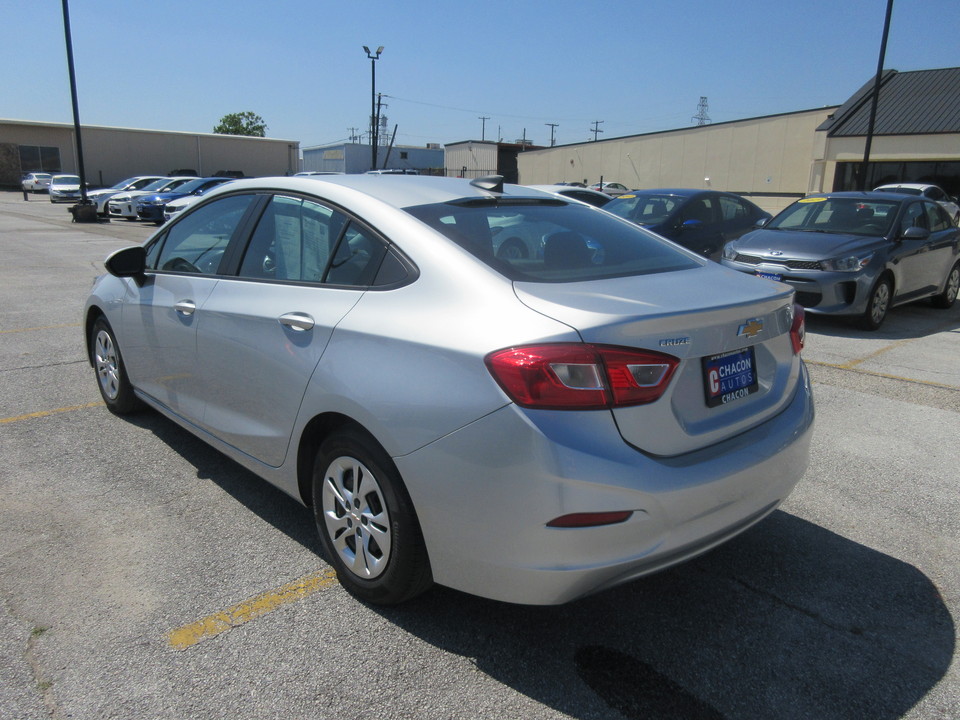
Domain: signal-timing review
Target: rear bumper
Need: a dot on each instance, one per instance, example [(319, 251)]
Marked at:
[(485, 493)]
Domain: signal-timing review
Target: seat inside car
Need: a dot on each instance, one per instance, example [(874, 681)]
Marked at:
[(565, 250)]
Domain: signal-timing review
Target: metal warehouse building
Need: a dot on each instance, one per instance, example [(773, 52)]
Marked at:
[(355, 158), (777, 158), (111, 154)]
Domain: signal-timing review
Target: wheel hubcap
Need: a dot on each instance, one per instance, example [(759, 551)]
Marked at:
[(108, 368), (356, 518), (953, 285), (881, 299)]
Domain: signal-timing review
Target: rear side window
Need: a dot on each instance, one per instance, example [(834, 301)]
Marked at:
[(552, 241), (298, 240)]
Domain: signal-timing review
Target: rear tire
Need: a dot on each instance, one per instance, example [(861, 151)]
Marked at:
[(946, 299), (366, 521), (878, 305)]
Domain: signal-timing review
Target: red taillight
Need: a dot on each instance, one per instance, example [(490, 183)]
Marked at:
[(580, 376), (798, 330)]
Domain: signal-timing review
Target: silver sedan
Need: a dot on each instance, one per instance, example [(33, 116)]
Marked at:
[(529, 429)]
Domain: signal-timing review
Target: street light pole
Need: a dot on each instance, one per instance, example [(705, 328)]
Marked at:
[(875, 99), (374, 56)]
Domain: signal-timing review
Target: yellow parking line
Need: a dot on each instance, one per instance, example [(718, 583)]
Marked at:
[(44, 413), (43, 327), (851, 368), (213, 625), (877, 353)]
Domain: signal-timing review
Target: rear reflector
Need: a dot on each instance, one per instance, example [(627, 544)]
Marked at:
[(576, 520), (578, 376)]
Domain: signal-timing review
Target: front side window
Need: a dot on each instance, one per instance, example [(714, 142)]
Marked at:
[(913, 216), (937, 218), (197, 243), (551, 241)]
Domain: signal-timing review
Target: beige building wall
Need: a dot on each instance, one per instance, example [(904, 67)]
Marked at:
[(112, 154), (768, 158)]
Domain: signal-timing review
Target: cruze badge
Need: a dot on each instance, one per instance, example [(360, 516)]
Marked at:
[(751, 328), (671, 342)]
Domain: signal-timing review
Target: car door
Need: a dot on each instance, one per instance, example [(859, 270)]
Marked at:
[(942, 244), (698, 223), (910, 256), (263, 332), (160, 314)]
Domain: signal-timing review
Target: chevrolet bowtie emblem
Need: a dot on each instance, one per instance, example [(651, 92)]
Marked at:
[(751, 328)]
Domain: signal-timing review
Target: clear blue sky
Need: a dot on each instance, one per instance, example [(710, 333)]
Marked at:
[(638, 66)]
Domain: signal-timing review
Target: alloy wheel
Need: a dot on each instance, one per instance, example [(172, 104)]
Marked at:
[(356, 518), (107, 364)]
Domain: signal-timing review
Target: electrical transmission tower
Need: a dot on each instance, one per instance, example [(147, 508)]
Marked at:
[(701, 118)]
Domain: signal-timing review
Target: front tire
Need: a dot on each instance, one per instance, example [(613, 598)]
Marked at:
[(115, 388), (878, 305), (366, 521), (946, 299)]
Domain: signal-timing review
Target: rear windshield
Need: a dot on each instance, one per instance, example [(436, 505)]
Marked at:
[(552, 241)]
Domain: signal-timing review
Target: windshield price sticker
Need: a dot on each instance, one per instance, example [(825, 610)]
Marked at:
[(729, 377)]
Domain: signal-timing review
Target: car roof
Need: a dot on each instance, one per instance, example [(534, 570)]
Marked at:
[(400, 191), (863, 195), (915, 186)]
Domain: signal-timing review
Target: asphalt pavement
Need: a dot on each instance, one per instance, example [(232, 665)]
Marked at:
[(144, 575)]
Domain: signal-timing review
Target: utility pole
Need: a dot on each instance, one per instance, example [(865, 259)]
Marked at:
[(552, 126), (876, 98), (374, 56), (596, 128), (483, 127), (701, 118)]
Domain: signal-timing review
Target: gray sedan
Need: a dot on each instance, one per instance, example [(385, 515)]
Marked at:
[(525, 429), (856, 253)]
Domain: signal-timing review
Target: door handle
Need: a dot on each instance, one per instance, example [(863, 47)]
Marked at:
[(185, 307), (299, 322)]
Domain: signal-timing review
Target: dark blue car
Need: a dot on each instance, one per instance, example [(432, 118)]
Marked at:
[(700, 220), (150, 207)]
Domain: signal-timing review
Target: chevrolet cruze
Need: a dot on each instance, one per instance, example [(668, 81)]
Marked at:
[(529, 429)]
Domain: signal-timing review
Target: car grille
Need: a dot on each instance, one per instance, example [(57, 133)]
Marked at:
[(792, 264)]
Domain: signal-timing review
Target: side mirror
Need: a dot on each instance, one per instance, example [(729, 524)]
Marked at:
[(762, 222), (129, 262), (915, 233), (691, 225)]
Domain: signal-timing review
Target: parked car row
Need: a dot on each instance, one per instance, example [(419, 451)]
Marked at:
[(851, 254), (146, 197)]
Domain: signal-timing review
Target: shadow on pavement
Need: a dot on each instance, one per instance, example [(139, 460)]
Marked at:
[(788, 620)]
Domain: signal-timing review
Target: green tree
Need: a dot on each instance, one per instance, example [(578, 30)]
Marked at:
[(242, 123)]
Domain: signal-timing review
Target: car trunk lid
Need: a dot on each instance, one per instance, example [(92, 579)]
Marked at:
[(730, 332)]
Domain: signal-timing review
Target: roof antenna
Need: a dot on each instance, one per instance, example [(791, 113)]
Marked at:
[(493, 183)]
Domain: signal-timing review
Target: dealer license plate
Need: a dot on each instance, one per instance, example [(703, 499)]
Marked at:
[(728, 377), (770, 276)]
